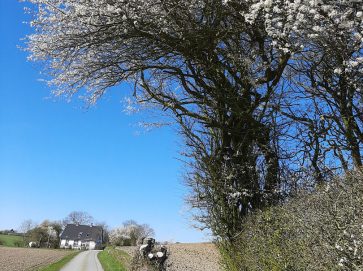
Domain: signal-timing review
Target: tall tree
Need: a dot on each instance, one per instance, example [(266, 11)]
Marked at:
[(130, 233), (78, 217), (326, 97), (26, 226), (213, 65), (230, 73)]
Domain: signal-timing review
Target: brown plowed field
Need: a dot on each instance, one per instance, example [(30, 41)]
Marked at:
[(193, 257), (24, 259), (189, 257)]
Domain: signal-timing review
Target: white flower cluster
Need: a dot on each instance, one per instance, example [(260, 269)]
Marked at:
[(99, 43), (253, 49)]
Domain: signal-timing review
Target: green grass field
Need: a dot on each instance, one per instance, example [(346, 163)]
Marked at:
[(11, 240), (114, 260)]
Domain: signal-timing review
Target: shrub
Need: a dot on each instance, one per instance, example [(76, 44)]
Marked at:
[(321, 230), (130, 233), (18, 243)]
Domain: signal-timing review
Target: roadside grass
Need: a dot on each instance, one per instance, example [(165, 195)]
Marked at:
[(114, 260), (11, 240), (58, 265)]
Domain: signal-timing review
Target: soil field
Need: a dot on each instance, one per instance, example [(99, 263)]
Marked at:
[(24, 259), (189, 257), (193, 257)]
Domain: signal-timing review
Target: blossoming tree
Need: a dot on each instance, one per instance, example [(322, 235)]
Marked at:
[(254, 85)]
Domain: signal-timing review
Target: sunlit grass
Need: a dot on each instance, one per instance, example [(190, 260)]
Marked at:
[(11, 240), (114, 260)]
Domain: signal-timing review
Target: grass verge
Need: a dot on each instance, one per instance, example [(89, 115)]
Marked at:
[(114, 260), (58, 265), (11, 240)]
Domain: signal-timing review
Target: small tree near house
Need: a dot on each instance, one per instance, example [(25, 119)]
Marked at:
[(130, 233)]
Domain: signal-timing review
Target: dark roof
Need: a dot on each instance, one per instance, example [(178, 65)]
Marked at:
[(82, 232)]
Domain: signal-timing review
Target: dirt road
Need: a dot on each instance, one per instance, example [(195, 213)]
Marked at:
[(84, 261)]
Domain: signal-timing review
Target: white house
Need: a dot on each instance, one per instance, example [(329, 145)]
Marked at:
[(81, 237)]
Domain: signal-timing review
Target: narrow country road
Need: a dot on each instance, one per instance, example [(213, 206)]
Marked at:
[(84, 261)]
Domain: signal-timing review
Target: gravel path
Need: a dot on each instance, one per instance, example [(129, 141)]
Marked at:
[(84, 261), (189, 257), (22, 259)]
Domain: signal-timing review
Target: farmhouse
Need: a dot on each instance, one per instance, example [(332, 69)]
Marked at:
[(81, 237)]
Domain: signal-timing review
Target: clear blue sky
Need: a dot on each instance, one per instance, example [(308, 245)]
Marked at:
[(57, 157)]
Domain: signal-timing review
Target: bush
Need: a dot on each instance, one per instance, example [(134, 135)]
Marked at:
[(130, 233), (18, 243), (321, 230)]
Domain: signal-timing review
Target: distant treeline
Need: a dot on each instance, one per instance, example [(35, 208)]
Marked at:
[(11, 232)]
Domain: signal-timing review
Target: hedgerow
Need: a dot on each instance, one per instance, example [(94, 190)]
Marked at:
[(319, 230)]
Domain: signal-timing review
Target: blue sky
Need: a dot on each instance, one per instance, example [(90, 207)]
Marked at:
[(58, 156)]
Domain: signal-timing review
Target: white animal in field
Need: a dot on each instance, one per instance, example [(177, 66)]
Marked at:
[(33, 244)]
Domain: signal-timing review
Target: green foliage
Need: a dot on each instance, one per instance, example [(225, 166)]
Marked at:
[(320, 230), (58, 265), (46, 234), (129, 233), (19, 243), (267, 243), (114, 260), (231, 260), (11, 240)]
